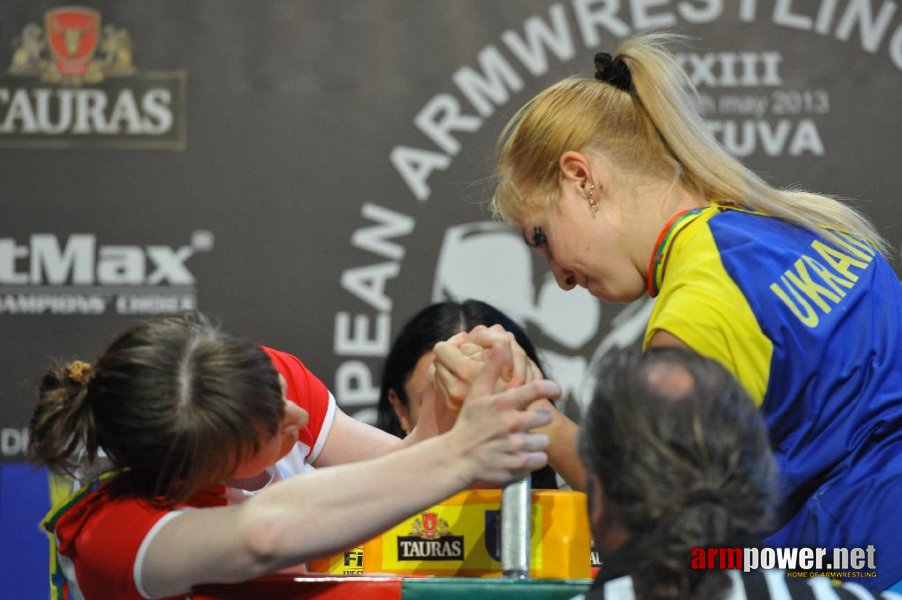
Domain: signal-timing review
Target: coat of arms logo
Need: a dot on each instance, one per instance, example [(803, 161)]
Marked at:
[(72, 48), (430, 527)]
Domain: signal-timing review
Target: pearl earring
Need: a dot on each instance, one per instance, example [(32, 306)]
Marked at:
[(590, 196)]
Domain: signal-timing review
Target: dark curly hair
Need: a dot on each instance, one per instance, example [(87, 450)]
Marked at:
[(681, 467)]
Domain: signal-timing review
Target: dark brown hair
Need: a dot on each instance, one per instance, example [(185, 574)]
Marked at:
[(680, 468), (436, 323), (174, 403)]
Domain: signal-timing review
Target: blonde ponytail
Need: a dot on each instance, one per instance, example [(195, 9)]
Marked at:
[(652, 129), (665, 92)]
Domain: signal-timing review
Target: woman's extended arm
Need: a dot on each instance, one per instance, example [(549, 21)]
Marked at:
[(351, 440), (334, 508)]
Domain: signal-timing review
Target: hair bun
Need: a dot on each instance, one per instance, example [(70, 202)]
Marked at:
[(79, 372), (613, 71)]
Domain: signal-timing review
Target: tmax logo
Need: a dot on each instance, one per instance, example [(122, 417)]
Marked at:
[(80, 275)]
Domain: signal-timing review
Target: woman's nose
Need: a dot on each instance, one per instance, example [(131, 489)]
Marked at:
[(565, 279)]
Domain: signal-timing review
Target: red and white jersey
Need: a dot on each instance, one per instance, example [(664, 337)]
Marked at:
[(311, 394), (101, 541)]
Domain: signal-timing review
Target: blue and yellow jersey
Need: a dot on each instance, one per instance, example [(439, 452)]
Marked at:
[(812, 328)]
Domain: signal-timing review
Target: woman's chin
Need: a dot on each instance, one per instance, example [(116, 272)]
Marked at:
[(615, 296)]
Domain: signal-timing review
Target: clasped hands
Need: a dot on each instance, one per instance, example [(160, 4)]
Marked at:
[(460, 360)]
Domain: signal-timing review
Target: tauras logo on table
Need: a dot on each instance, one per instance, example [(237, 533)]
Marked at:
[(430, 539), (73, 83)]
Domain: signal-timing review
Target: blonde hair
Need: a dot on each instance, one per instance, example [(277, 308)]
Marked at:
[(653, 131)]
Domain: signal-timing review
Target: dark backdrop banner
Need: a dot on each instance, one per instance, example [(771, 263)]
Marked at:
[(311, 173)]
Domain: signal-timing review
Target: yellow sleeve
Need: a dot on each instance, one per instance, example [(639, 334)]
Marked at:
[(700, 304)]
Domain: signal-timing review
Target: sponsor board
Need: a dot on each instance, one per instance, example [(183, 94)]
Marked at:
[(47, 274), (72, 83)]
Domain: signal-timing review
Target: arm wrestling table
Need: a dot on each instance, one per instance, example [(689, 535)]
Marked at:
[(516, 543)]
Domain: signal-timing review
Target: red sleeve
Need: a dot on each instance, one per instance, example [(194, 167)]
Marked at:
[(102, 537), (307, 391)]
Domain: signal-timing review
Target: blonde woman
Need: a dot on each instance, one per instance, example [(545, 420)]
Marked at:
[(617, 183)]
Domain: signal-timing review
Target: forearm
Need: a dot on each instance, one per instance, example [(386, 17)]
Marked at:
[(335, 508), (302, 517), (428, 425), (562, 455)]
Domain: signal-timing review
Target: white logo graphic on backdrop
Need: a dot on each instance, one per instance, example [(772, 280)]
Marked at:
[(47, 275), (489, 261), (13, 441), (748, 102)]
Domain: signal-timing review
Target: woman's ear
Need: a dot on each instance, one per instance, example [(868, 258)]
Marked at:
[(293, 420), (575, 168), (400, 410)]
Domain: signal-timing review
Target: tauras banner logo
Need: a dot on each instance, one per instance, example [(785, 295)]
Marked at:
[(73, 84), (78, 275), (430, 539)]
